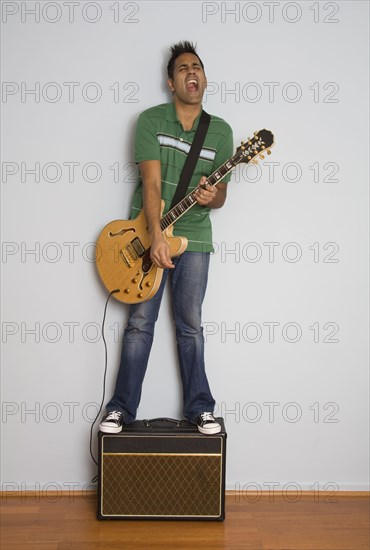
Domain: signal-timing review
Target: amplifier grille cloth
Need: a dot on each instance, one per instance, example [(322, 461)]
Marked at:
[(157, 485)]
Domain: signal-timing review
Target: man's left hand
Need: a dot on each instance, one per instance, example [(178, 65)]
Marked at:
[(205, 194)]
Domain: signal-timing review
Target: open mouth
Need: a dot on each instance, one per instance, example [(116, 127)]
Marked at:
[(192, 85)]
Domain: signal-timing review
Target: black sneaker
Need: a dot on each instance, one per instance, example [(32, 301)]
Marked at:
[(112, 422), (207, 424)]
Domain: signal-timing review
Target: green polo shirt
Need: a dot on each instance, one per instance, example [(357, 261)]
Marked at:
[(160, 136)]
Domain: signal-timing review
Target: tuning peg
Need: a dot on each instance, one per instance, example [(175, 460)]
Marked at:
[(262, 156), (268, 151), (254, 161)]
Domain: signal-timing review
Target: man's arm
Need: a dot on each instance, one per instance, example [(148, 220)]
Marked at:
[(150, 171)]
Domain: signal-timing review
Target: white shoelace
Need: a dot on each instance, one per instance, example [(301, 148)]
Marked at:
[(207, 416), (114, 415)]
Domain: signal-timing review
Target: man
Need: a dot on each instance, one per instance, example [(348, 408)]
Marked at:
[(163, 138)]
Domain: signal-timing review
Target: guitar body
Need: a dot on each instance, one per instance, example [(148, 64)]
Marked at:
[(123, 259), (123, 247)]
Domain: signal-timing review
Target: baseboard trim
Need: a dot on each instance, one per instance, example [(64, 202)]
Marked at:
[(251, 496), (304, 493)]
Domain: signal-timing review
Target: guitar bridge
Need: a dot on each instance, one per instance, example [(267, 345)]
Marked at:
[(125, 258)]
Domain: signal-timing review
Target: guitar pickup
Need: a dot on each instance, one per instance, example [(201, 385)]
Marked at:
[(132, 252), (138, 247)]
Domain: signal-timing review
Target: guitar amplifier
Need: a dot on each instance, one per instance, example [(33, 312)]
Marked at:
[(162, 469)]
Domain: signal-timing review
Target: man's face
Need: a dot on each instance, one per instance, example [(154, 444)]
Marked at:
[(189, 81)]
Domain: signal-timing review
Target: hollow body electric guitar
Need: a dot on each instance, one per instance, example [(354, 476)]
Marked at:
[(123, 247)]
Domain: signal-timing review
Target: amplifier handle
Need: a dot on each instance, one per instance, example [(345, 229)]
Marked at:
[(163, 419)]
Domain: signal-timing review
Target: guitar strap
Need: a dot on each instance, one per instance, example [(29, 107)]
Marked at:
[(191, 159)]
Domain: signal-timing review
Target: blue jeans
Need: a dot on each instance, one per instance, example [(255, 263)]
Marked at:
[(188, 282)]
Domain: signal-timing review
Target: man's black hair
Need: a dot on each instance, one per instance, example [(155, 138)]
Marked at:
[(177, 50)]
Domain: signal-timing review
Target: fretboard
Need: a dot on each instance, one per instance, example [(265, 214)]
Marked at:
[(188, 202), (246, 153)]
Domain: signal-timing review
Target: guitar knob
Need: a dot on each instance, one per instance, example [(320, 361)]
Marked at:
[(127, 291), (140, 295), (134, 280), (148, 284)]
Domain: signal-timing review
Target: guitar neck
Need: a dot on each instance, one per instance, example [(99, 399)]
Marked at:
[(246, 153), (189, 201)]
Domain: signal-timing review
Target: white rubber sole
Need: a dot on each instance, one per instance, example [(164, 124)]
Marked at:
[(209, 431), (110, 429)]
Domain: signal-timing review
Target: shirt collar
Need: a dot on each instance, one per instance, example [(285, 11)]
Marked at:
[(171, 116)]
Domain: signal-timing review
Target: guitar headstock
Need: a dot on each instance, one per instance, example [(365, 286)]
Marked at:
[(260, 143)]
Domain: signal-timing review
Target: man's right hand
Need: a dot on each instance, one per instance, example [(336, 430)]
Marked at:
[(160, 253)]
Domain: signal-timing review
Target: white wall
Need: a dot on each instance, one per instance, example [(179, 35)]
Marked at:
[(285, 323)]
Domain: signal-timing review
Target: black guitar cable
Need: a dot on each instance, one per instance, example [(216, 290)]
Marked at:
[(105, 375)]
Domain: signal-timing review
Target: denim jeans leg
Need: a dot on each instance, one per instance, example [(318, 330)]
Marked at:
[(136, 346), (189, 282)]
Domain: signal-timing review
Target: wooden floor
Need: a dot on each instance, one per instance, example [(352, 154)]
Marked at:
[(69, 523)]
